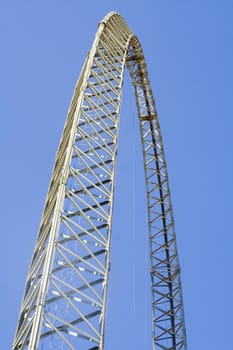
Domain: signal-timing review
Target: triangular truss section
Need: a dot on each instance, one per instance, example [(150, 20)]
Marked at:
[(65, 295)]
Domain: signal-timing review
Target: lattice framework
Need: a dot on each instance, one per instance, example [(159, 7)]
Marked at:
[(65, 295)]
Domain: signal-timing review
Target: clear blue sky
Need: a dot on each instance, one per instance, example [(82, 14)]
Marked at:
[(189, 52)]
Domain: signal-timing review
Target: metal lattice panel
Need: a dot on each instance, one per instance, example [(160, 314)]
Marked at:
[(65, 295)]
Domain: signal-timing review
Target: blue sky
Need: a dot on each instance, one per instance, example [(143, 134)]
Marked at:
[(189, 53)]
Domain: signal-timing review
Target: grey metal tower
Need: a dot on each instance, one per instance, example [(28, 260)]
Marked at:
[(65, 295)]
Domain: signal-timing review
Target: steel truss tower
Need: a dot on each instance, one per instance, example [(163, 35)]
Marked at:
[(64, 303)]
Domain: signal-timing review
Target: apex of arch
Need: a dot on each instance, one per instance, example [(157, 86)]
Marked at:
[(108, 16)]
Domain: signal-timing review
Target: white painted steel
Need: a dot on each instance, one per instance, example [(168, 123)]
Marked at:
[(65, 295)]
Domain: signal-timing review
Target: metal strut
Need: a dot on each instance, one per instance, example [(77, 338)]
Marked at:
[(64, 304)]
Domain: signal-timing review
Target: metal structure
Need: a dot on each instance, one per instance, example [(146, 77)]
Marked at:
[(65, 295)]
